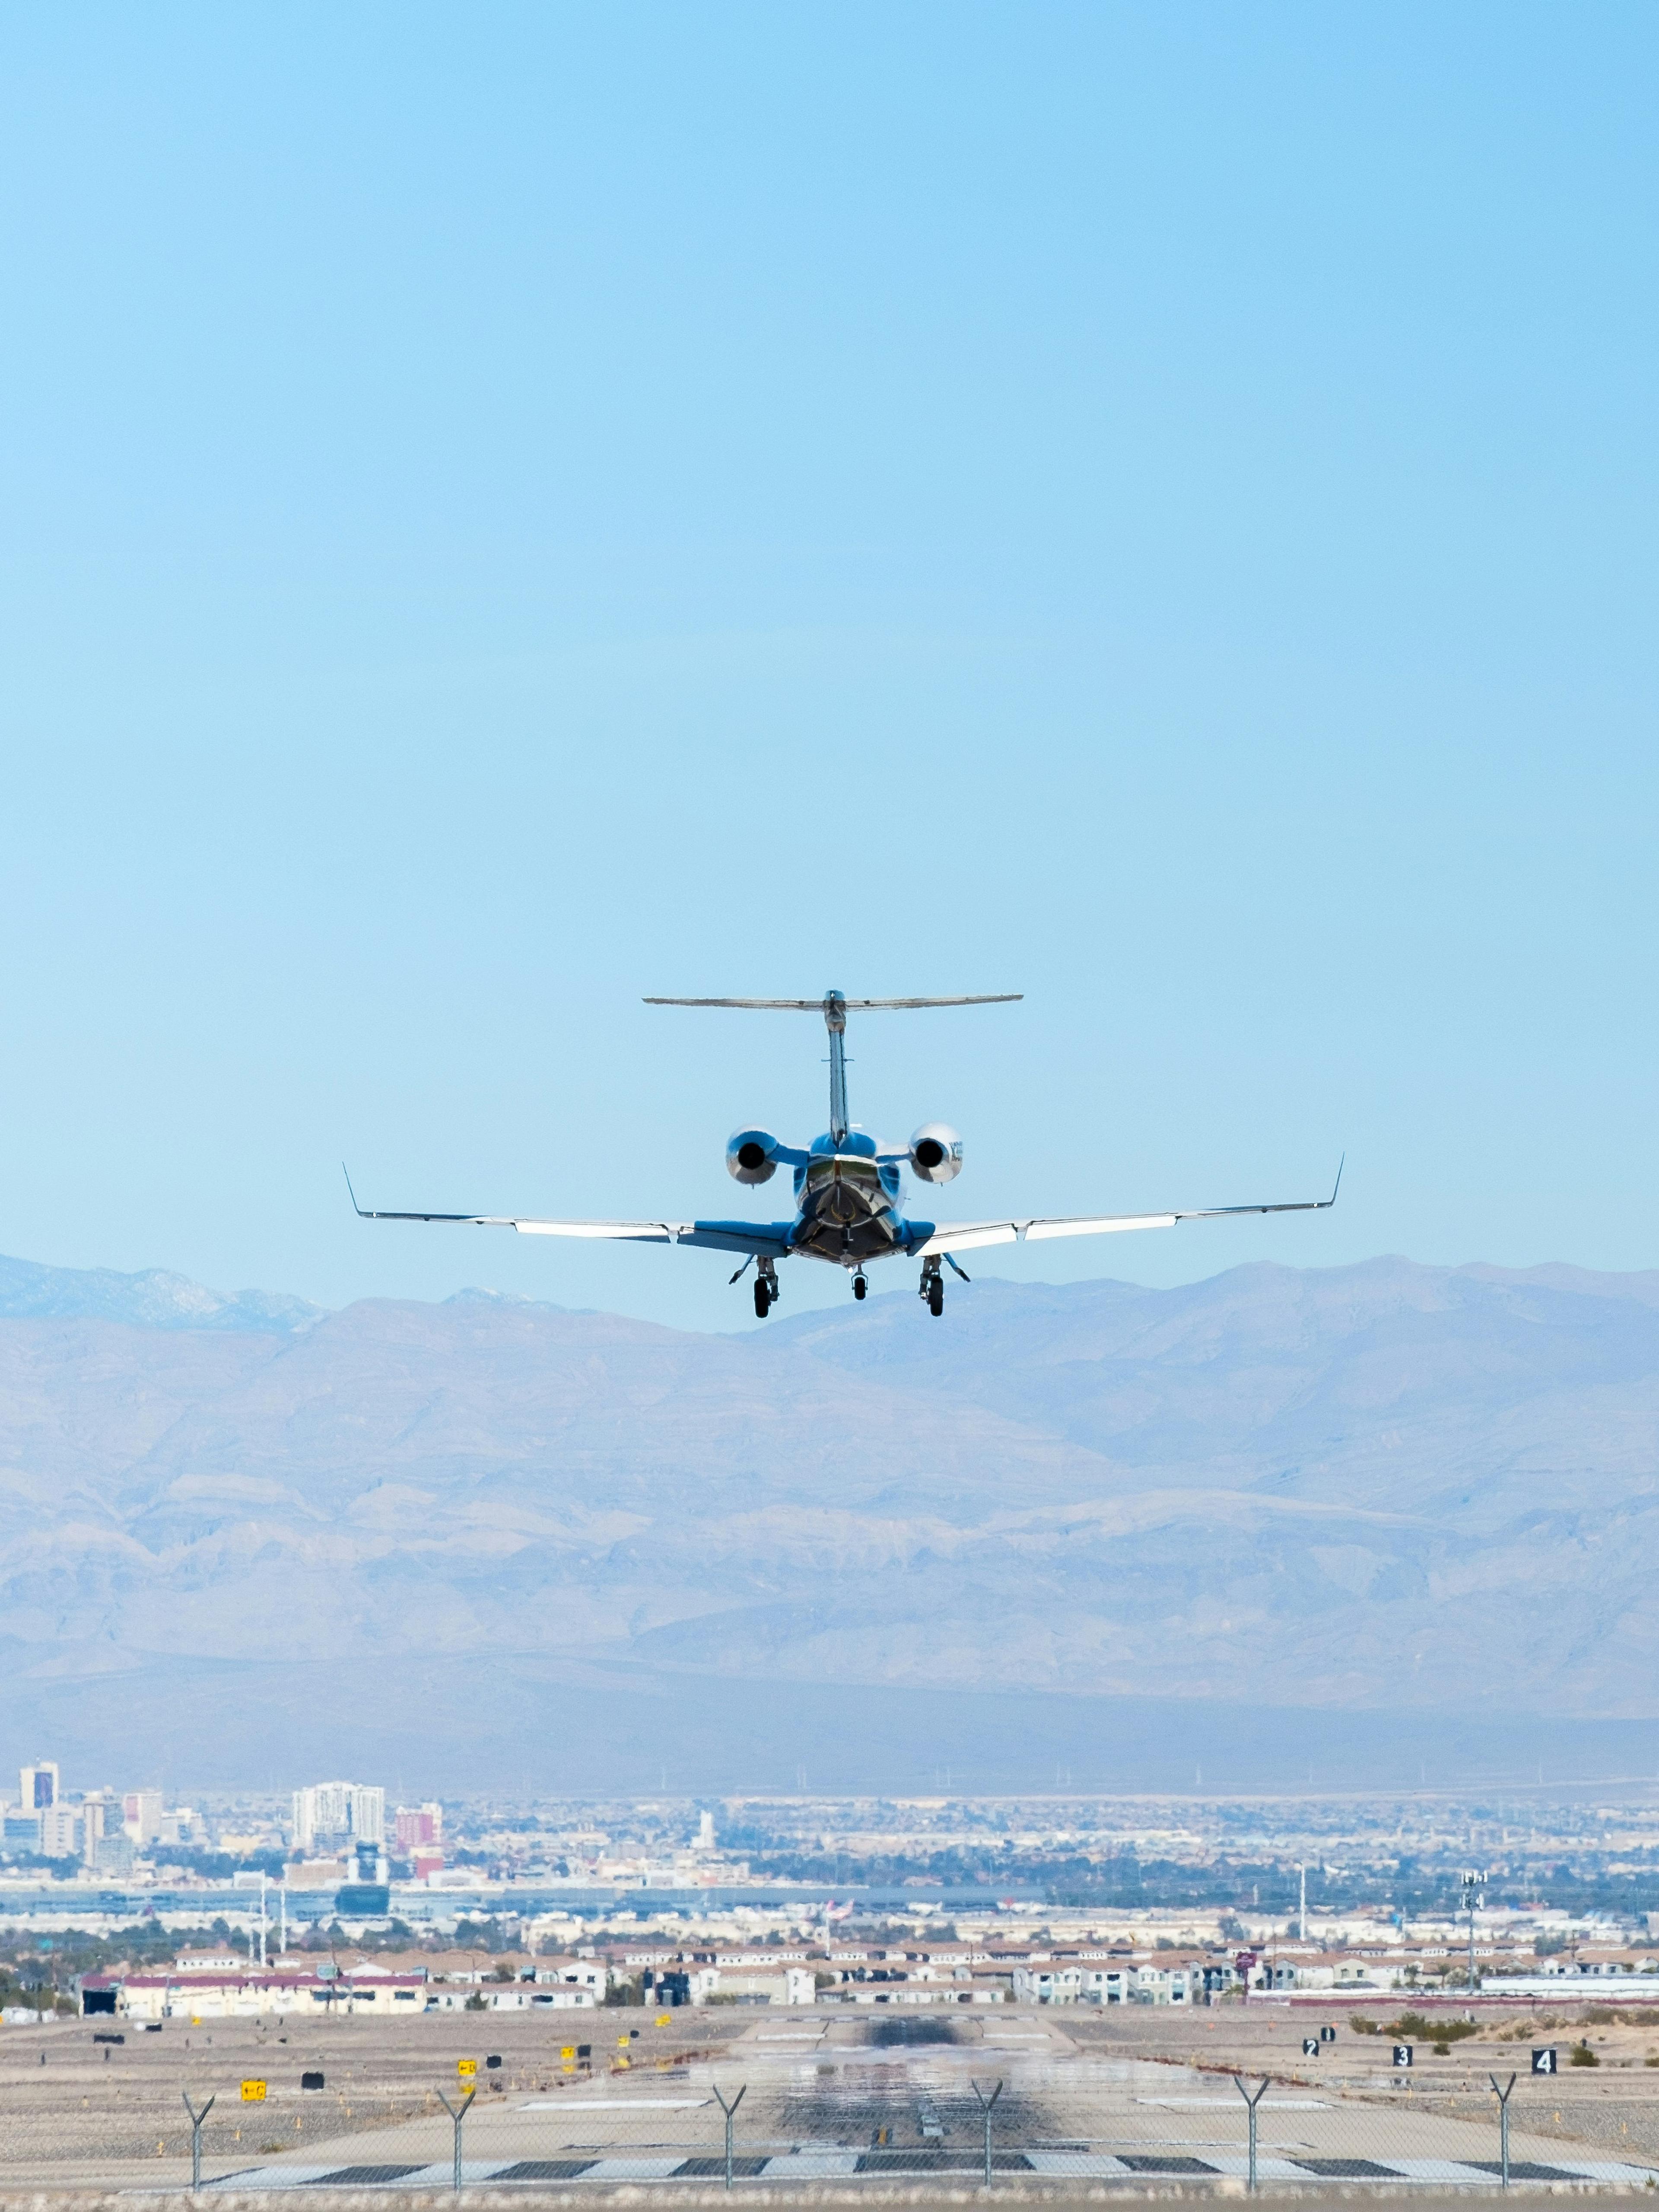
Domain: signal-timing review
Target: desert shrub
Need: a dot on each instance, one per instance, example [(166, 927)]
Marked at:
[(1415, 2027), (1581, 2054)]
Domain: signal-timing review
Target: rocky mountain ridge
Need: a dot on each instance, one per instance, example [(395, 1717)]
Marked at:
[(1386, 1487)]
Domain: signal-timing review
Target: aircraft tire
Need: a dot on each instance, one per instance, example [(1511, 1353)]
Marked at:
[(762, 1298), (860, 1286), (936, 1298)]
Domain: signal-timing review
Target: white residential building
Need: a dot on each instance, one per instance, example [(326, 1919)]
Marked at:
[(353, 1811), (1036, 1984), (1106, 1986), (1167, 1985), (791, 1985)]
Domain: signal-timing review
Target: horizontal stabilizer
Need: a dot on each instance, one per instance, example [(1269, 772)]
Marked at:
[(858, 1005)]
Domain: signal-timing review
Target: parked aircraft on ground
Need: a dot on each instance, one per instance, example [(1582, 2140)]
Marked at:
[(847, 1186)]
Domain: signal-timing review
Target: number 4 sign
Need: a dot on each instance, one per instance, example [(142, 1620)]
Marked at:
[(1543, 2062)]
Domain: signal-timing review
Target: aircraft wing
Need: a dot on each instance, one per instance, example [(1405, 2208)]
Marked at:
[(767, 1238), (964, 1236)]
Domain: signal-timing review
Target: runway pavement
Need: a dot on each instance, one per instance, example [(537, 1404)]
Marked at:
[(831, 2098)]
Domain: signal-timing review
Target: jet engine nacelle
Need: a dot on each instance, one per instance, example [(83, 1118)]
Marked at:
[(936, 1152), (751, 1157)]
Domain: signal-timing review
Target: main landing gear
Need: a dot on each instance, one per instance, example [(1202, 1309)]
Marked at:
[(766, 1290), (933, 1283)]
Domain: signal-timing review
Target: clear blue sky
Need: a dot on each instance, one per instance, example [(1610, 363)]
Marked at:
[(505, 509)]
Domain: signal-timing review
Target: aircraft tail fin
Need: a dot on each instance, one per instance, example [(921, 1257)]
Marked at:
[(834, 1006)]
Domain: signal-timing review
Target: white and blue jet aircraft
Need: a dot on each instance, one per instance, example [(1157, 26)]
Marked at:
[(848, 1199)]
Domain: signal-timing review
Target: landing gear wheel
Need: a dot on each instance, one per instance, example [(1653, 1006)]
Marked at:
[(762, 1297), (936, 1298), (860, 1286)]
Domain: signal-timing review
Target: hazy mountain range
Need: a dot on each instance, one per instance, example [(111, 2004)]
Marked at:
[(1073, 1519)]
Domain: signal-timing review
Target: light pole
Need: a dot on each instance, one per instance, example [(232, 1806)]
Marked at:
[(1302, 1909), (1472, 1881)]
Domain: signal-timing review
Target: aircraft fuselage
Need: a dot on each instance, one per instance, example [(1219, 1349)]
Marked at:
[(847, 1204)]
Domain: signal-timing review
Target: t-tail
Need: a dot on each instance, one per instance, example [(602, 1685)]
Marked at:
[(834, 1006)]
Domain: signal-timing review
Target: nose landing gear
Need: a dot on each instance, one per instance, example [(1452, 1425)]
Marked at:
[(860, 1288)]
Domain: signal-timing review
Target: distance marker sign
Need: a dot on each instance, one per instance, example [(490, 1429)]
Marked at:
[(1402, 2054), (1311, 2046), (1543, 2062)]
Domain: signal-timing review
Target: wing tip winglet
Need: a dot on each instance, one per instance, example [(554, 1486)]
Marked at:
[(356, 1208), (1337, 1185)]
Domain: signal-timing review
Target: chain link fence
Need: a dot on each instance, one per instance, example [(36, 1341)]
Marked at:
[(811, 2096)]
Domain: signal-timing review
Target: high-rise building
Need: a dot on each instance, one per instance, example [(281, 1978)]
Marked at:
[(112, 1854), (418, 1824), (705, 1832), (141, 1816), (368, 1814), (339, 1812), (96, 1809), (38, 1785), (60, 1832)]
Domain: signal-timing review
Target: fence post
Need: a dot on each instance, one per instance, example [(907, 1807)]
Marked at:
[(1252, 2102), (1502, 2097), (729, 2109), (985, 2104), (457, 2113), (195, 2120)]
